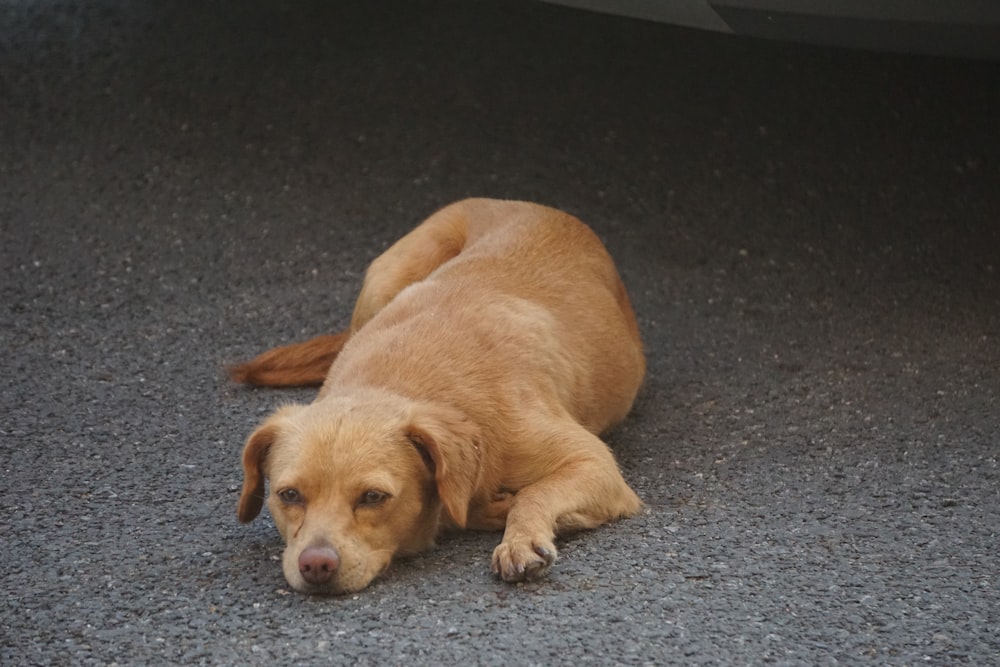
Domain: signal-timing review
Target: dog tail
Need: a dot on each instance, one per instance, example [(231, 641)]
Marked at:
[(296, 365)]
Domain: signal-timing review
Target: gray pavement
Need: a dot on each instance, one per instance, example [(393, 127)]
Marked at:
[(811, 238)]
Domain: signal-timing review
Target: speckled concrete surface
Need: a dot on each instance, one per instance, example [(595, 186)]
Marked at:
[(811, 238)]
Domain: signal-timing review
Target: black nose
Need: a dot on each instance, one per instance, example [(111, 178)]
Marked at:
[(317, 564)]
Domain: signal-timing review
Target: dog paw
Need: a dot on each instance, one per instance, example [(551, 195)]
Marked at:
[(523, 560)]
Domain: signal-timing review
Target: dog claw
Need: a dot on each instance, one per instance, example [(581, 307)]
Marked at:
[(545, 554)]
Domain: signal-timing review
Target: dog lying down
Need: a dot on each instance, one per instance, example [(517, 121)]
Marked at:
[(486, 351)]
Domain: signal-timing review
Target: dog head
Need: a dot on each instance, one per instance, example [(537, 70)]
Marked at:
[(353, 481)]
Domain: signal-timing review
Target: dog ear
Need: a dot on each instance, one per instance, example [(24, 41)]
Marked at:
[(254, 460), (255, 454), (449, 441)]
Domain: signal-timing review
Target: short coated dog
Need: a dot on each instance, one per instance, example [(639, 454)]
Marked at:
[(487, 350)]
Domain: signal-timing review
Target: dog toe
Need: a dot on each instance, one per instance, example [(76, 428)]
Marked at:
[(523, 560)]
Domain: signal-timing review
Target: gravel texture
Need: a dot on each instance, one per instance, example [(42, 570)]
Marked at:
[(811, 238)]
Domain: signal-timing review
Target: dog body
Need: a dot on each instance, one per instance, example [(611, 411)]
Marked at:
[(487, 349)]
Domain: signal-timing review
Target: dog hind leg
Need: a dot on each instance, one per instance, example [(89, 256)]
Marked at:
[(411, 259)]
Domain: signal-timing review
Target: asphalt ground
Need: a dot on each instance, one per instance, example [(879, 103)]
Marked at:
[(811, 238)]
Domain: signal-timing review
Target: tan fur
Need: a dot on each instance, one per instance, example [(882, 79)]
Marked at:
[(297, 365), (487, 349)]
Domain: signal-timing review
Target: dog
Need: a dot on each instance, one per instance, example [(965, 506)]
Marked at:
[(488, 349)]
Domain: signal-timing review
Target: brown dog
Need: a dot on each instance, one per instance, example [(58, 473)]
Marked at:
[(487, 349)]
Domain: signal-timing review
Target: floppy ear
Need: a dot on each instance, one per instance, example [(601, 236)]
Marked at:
[(449, 440), (254, 460), (255, 465)]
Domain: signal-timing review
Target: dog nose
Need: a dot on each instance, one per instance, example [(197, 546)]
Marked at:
[(317, 564)]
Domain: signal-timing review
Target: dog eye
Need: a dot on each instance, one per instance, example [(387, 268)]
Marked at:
[(372, 498), (290, 496)]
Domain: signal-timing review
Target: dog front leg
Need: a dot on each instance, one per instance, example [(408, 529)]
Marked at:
[(584, 492)]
